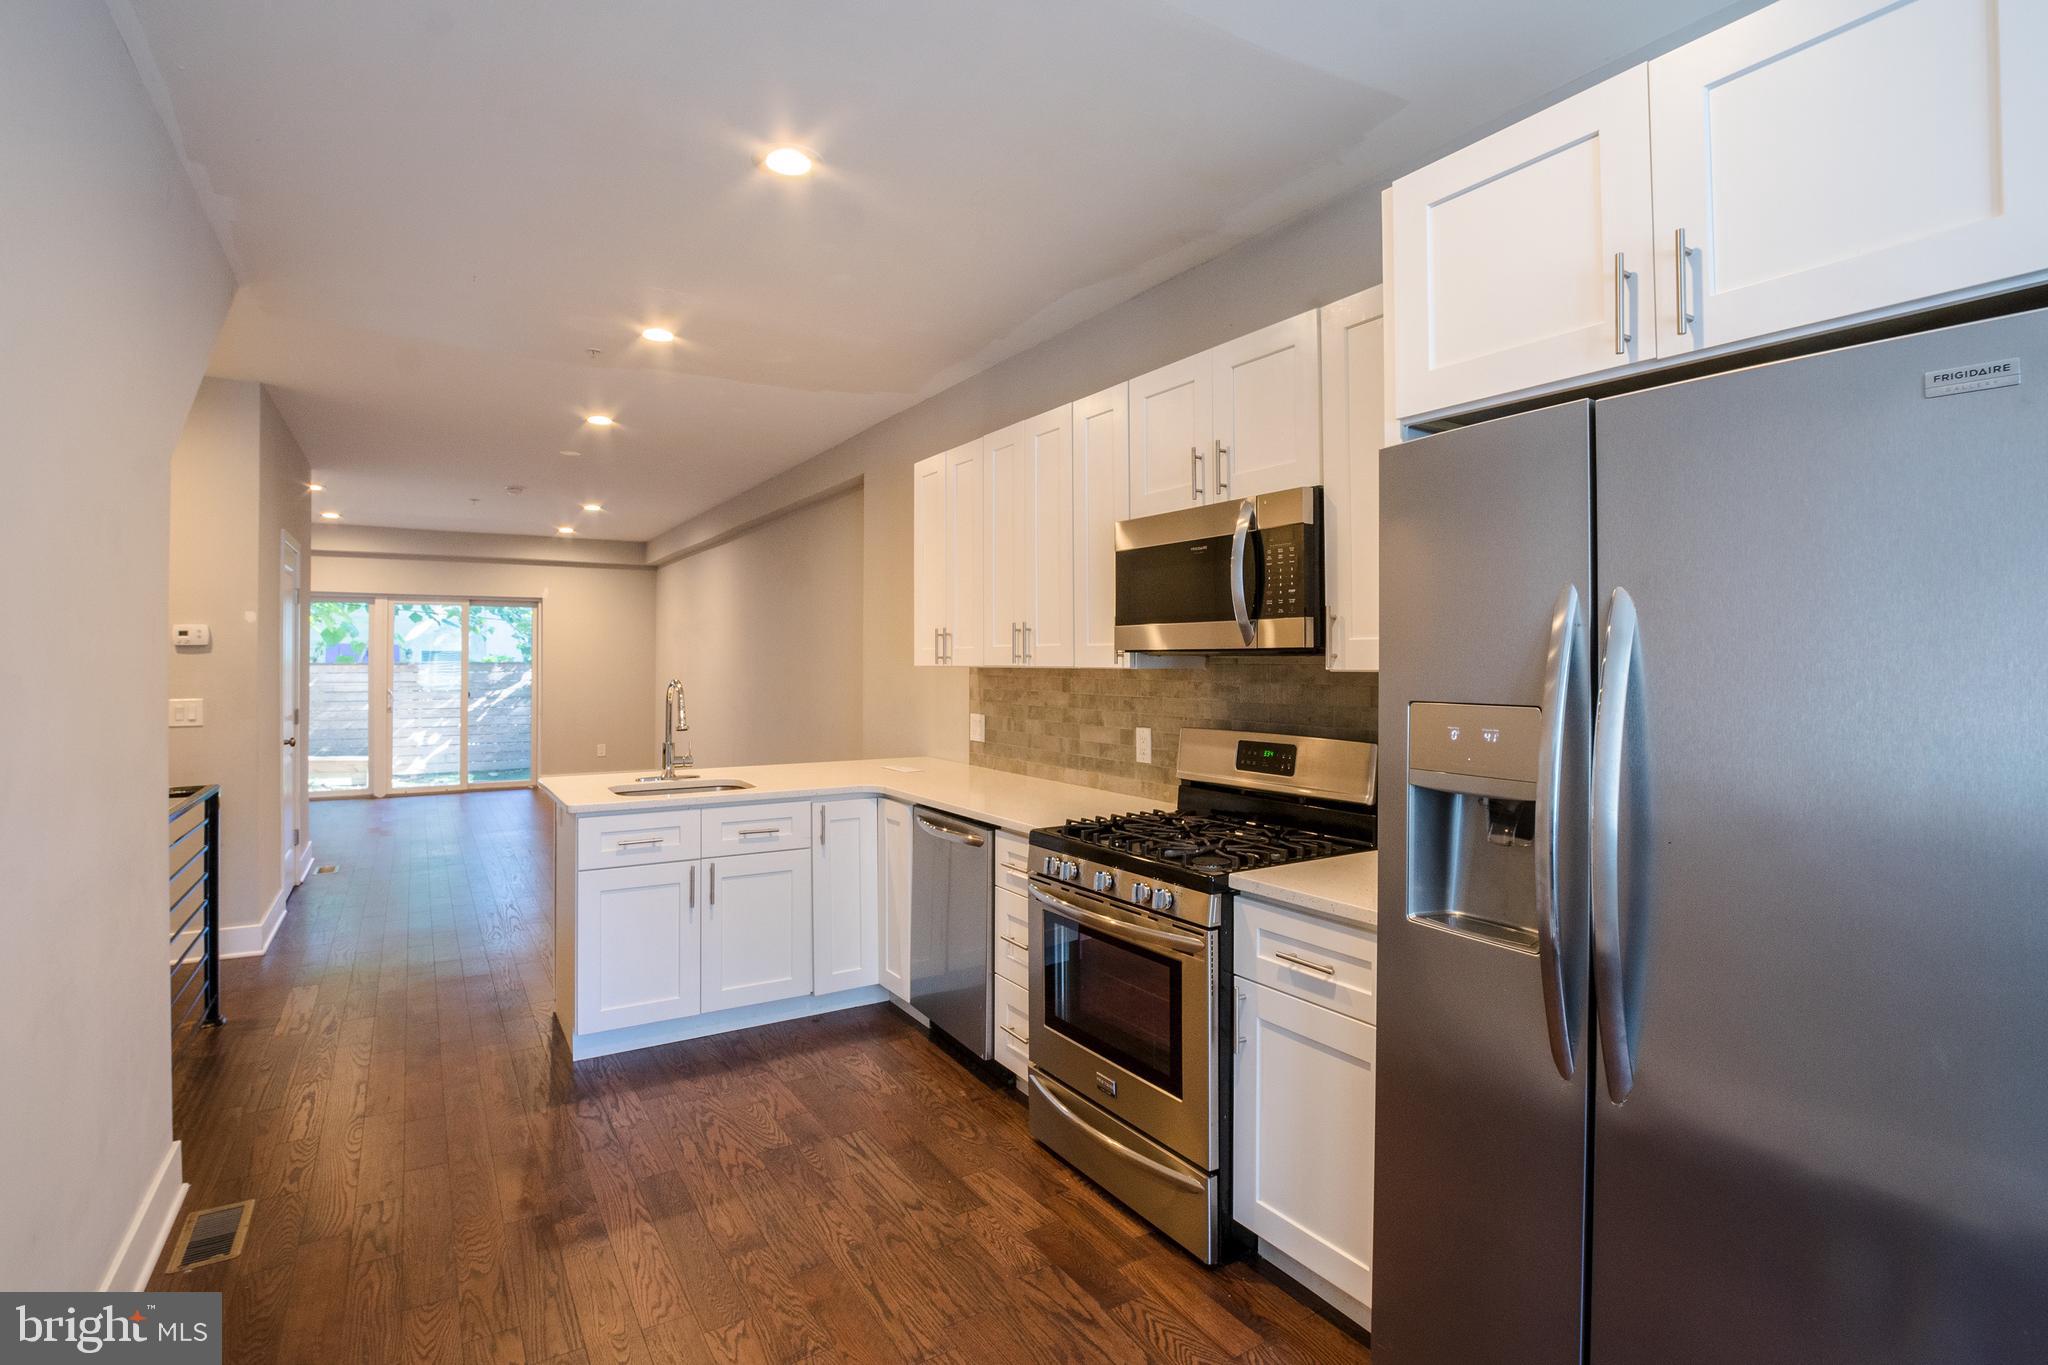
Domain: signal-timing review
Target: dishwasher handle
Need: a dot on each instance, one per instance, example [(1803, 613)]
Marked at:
[(935, 824)]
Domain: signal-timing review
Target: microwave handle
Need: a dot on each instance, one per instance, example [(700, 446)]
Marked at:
[(1239, 540)]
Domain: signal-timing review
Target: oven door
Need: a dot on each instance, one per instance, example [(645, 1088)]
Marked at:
[(1124, 1011)]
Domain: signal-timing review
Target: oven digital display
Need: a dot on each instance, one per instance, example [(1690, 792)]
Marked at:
[(1253, 756)]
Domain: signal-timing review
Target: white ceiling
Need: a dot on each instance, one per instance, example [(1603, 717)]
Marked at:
[(437, 208)]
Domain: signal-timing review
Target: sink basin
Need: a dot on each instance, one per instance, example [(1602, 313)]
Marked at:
[(685, 782)]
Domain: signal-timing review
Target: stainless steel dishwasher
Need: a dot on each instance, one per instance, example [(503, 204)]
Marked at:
[(952, 920)]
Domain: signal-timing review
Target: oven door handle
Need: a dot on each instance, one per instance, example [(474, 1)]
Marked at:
[(1158, 1168), (1247, 512), (1120, 928)]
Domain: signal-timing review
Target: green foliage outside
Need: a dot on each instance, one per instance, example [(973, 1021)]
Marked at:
[(341, 630)]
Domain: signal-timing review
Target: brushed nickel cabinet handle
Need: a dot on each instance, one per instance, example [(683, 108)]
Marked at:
[(756, 833), (1624, 312), (1020, 947), (1222, 467), (1305, 964), (655, 842), (1022, 1040), (1686, 256)]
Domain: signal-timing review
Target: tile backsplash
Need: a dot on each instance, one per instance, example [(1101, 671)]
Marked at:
[(1078, 725)]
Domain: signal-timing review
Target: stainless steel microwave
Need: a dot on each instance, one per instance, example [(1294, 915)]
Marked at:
[(1238, 576)]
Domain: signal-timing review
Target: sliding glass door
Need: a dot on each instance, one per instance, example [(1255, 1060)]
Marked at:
[(456, 681)]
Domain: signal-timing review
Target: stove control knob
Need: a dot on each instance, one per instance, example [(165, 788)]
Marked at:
[(1051, 866), (1162, 899), (1105, 881), (1141, 894), (1069, 871)]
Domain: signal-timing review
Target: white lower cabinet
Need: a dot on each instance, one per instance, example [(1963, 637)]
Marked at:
[(637, 935), (1303, 1135), (1013, 1026), (894, 911), (844, 896), (757, 928)]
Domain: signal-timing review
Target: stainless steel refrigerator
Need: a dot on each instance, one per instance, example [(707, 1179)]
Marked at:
[(1714, 870)]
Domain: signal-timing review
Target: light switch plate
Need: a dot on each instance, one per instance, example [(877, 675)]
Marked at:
[(977, 727), (187, 712), (600, 751), (1144, 744)]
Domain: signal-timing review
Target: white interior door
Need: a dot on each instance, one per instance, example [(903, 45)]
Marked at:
[(291, 675), (1509, 272), (1267, 418), (1101, 499), (1829, 158), (1045, 599), (1170, 431), (1354, 351)]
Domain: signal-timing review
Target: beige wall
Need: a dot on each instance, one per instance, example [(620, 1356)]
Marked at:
[(596, 634), (114, 287), (238, 486), (765, 631), (1315, 260)]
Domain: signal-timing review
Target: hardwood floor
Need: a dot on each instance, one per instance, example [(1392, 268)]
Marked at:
[(435, 1182)]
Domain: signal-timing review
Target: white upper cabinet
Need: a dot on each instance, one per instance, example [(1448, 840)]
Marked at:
[(1029, 520), (894, 919), (1829, 158), (1525, 258), (757, 928), (1101, 500), (966, 553), (1264, 410), (845, 896), (1171, 427), (930, 576), (1354, 426)]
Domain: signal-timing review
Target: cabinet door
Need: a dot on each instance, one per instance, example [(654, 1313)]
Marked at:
[(928, 570), (1045, 597), (966, 554), (1353, 426), (757, 928), (1267, 420), (1170, 433), (636, 945), (1827, 158), (845, 897), (1303, 1157), (1101, 500), (895, 909), (1510, 252), (1006, 479)]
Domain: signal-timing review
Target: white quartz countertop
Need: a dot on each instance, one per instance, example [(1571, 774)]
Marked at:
[(1005, 800), (1346, 888)]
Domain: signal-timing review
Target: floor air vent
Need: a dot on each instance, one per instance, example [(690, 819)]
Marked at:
[(212, 1235), (324, 867)]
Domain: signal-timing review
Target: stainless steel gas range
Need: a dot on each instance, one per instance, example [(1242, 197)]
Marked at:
[(1130, 961)]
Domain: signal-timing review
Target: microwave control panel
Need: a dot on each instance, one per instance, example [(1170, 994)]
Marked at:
[(1287, 568)]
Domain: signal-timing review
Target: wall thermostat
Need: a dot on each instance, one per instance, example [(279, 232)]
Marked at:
[(191, 637)]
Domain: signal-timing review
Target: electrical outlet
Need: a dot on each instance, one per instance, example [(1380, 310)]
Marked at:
[(187, 712), (600, 751), (977, 727), (1144, 744)]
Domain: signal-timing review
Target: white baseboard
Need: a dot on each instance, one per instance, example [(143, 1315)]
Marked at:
[(587, 1045), (150, 1229), (305, 863), (253, 940)]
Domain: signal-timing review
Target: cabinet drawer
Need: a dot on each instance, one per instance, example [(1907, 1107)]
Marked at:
[(641, 836), (1013, 862), (1331, 964), (1013, 936), (1013, 1026), (757, 829)]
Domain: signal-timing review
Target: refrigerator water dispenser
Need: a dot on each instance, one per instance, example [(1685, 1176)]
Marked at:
[(1471, 820)]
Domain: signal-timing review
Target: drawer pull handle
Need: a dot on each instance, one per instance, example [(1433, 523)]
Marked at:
[(655, 842), (758, 832), (1305, 964), (1021, 1039), (1020, 947)]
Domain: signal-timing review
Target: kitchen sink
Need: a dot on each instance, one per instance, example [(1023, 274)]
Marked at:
[(685, 782)]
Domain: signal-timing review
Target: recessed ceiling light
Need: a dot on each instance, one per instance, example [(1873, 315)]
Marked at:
[(593, 507), (316, 488), (788, 161), (330, 516), (565, 530), (599, 419), (657, 334)]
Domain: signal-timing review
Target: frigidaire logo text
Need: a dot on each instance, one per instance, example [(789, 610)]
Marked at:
[(89, 1332)]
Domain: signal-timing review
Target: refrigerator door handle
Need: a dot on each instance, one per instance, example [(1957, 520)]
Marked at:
[(1239, 608), (1557, 691), (1610, 984)]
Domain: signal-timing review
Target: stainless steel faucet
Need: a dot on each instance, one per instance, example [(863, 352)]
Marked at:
[(675, 721)]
